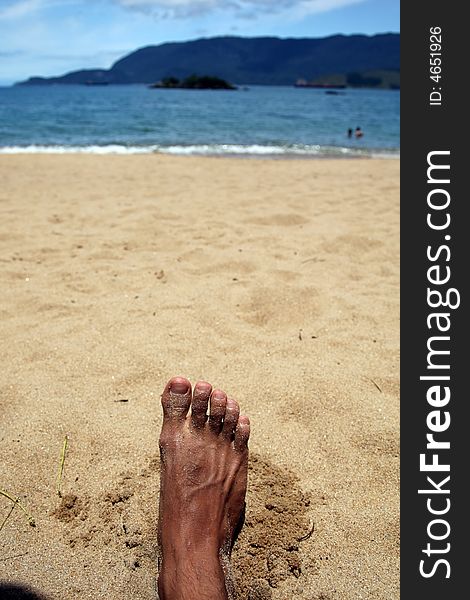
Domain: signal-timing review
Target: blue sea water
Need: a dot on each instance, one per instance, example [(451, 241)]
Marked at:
[(256, 120)]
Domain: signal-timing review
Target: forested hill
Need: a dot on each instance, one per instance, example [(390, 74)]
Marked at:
[(259, 60)]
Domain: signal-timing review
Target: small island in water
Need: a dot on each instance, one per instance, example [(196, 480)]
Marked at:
[(193, 82)]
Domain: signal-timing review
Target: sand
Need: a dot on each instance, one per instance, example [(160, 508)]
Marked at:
[(276, 280)]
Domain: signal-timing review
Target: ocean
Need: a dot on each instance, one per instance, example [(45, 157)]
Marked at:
[(252, 121)]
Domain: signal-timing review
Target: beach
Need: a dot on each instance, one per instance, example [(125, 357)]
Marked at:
[(275, 280)]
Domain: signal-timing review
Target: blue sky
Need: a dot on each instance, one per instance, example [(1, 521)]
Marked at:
[(52, 37)]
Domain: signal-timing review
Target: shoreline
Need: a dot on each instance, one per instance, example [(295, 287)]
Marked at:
[(226, 151)]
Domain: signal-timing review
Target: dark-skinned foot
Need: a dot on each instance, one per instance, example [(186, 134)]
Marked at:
[(203, 477)]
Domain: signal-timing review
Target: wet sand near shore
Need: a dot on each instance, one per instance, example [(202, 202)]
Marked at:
[(275, 280)]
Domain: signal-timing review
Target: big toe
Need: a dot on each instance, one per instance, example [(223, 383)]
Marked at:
[(176, 399)]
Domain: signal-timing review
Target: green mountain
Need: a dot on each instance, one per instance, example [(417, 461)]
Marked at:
[(261, 60)]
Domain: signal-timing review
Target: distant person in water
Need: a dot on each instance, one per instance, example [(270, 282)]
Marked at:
[(349, 132), (203, 479), (358, 133)]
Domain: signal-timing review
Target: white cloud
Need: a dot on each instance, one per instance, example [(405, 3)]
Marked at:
[(176, 9), (19, 9), (188, 8), (310, 7)]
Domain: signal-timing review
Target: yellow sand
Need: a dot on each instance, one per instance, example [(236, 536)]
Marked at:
[(276, 280)]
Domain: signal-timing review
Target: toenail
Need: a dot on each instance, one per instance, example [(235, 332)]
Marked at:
[(218, 395), (203, 386), (179, 386)]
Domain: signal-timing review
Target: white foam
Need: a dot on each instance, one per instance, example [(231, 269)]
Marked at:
[(252, 149), (206, 150), (94, 149)]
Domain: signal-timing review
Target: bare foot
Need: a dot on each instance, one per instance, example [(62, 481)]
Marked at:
[(204, 465)]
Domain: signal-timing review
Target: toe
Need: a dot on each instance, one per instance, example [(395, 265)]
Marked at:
[(176, 399), (242, 433), (217, 410), (201, 395), (232, 411)]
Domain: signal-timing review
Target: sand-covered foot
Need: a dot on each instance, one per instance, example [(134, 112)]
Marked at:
[(204, 465)]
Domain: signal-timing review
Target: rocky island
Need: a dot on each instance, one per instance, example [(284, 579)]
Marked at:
[(194, 82)]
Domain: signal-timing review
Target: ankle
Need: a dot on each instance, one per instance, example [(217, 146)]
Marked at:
[(196, 576)]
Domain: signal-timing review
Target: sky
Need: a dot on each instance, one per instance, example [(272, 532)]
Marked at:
[(53, 37)]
